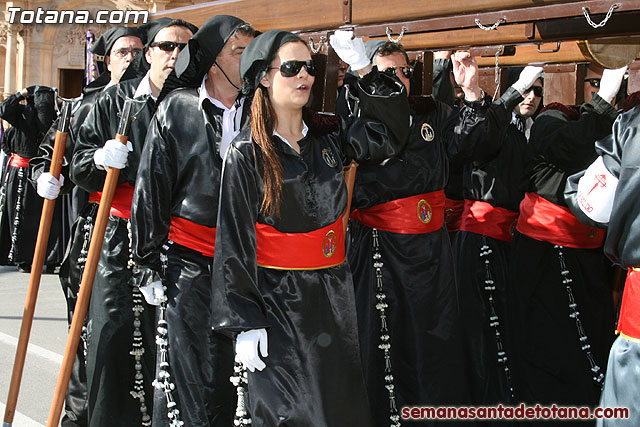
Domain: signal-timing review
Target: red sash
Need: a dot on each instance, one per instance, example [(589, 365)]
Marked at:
[(122, 201), (483, 218), (18, 161), (95, 197), (419, 214), (453, 214), (545, 221), (629, 320), (322, 248), (193, 236)]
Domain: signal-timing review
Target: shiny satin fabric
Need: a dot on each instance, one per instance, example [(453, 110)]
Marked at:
[(622, 383), (30, 211), (560, 146), (429, 365), (200, 360), (176, 178), (110, 367), (75, 411), (101, 125), (313, 376), (548, 363), (428, 362), (488, 385)]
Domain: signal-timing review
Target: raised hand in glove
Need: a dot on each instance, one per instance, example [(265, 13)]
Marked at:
[(113, 155), (247, 344), (350, 50), (610, 83), (528, 77), (48, 186)]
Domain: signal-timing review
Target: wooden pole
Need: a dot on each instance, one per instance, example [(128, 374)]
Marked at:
[(91, 265), (36, 268), (350, 180)]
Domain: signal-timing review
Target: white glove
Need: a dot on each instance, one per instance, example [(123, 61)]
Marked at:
[(350, 50), (112, 155), (528, 76), (610, 83), (48, 186), (153, 293), (247, 348)]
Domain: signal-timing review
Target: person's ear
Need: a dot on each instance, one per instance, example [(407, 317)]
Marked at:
[(265, 81), (147, 56)]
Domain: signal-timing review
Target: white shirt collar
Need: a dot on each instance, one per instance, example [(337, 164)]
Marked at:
[(528, 122), (144, 88), (305, 130), (231, 117)]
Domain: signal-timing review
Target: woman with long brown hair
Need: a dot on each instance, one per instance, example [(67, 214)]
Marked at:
[(279, 273)]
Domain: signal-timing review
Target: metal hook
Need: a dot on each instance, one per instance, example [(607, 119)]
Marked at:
[(494, 26), (585, 11), (388, 31), (548, 50), (320, 43)]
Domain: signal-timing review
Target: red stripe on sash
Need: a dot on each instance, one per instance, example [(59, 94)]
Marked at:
[(317, 249), (193, 236), (419, 214), (545, 221), (483, 218)]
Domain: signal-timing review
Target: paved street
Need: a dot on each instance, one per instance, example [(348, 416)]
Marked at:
[(47, 342)]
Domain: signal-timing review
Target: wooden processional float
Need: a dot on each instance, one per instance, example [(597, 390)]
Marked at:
[(563, 35)]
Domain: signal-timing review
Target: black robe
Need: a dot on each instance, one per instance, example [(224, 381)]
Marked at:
[(110, 367), (22, 206), (549, 364), (621, 156), (313, 375), (494, 179), (82, 216), (427, 359), (179, 176)]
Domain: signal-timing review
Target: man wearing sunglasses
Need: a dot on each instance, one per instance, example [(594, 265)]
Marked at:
[(559, 276), (492, 194), (400, 252), (121, 327), (174, 211)]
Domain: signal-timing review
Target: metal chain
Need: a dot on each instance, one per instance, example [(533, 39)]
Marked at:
[(585, 11), (596, 371), (391, 39), (497, 72), (385, 339), (320, 43), (494, 26), (494, 321)]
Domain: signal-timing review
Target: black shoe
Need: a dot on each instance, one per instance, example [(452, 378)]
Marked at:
[(24, 268)]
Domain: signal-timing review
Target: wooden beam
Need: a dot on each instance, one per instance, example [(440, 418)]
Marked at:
[(463, 17), (368, 12), (569, 52), (266, 14), (564, 83), (456, 39)]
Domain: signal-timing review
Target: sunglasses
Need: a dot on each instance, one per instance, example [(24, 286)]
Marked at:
[(121, 53), (595, 82), (168, 46), (406, 70), (537, 91), (292, 68)]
